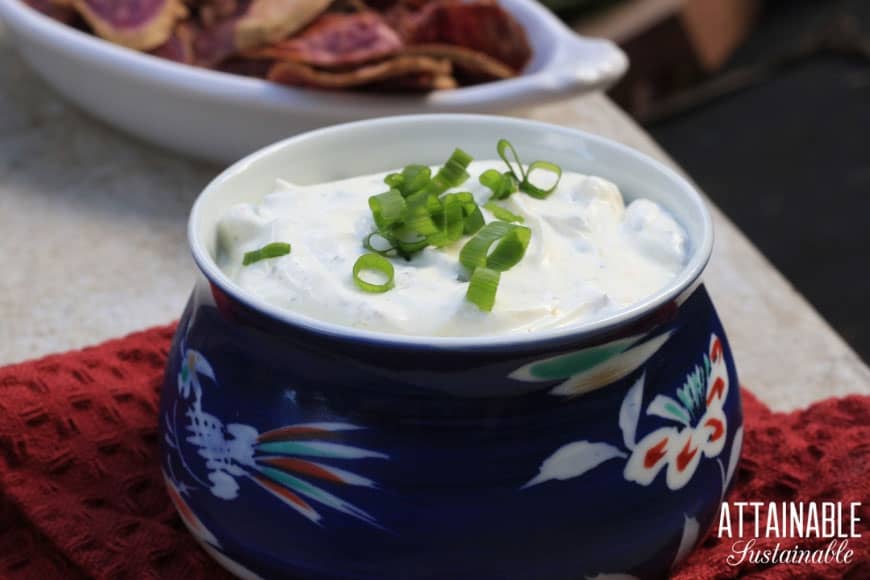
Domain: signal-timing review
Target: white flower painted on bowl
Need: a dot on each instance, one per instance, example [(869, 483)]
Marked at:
[(699, 427), (285, 462)]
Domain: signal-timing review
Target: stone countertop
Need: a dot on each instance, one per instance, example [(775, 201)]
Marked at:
[(92, 245)]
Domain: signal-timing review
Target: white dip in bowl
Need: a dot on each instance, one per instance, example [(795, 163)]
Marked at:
[(590, 256)]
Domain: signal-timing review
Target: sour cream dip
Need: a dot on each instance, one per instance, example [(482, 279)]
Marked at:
[(589, 256)]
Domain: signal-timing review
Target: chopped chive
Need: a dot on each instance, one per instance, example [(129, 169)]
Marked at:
[(502, 213), (511, 243), (414, 178), (482, 288), (387, 208), (378, 243), (501, 184), (273, 250), (509, 250), (373, 263), (418, 212), (528, 187), (473, 220), (472, 217), (418, 215), (395, 180), (450, 221), (408, 242), (452, 174), (503, 147)]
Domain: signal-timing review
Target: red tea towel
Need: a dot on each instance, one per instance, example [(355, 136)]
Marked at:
[(81, 494)]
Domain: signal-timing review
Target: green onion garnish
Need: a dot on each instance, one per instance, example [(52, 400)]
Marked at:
[(472, 217), (482, 288), (417, 212), (503, 147), (418, 215), (486, 266), (407, 241), (407, 248), (377, 243), (394, 180), (375, 263), (510, 249), (450, 220), (273, 250), (411, 215), (502, 213), (501, 184), (387, 208), (528, 187), (414, 178), (473, 220), (452, 174)]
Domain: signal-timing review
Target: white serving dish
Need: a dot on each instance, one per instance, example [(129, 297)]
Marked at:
[(221, 117)]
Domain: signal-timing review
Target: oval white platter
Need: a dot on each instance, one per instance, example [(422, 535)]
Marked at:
[(221, 117)]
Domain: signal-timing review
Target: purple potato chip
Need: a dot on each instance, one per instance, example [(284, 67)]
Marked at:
[(137, 24)]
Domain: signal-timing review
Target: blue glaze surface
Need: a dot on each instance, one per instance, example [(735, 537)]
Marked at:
[(296, 454)]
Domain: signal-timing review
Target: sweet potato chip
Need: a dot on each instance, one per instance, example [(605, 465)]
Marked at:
[(384, 45), (245, 67), (60, 11), (336, 40), (482, 26), (179, 47), (266, 21), (476, 65), (297, 74), (255, 23), (137, 24), (418, 82), (211, 12)]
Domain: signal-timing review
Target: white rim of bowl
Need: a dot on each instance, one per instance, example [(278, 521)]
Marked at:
[(684, 280)]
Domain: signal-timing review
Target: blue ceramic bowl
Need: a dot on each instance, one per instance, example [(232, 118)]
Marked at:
[(295, 448)]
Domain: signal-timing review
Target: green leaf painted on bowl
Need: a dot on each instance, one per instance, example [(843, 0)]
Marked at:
[(570, 364), (613, 368)]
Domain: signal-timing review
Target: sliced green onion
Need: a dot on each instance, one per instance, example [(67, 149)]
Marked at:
[(501, 184), (408, 242), (454, 170), (379, 243), (510, 249), (418, 215), (451, 220), (472, 217), (473, 221), (375, 263), (395, 180), (452, 174), (528, 187), (503, 147), (463, 197), (502, 213), (490, 178), (482, 288), (454, 218), (273, 250), (407, 249), (387, 208), (414, 178)]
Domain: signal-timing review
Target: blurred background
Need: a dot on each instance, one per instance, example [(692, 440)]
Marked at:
[(766, 104)]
